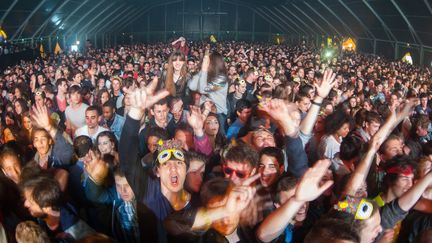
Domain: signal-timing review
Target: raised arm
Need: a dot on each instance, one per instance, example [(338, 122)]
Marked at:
[(130, 163), (176, 41), (396, 210), (410, 198), (195, 221), (199, 81), (62, 149), (237, 200), (308, 189), (322, 90), (202, 82), (196, 119), (94, 189), (363, 168), (287, 117)]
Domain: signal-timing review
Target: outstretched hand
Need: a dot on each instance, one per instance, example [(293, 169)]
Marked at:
[(328, 82), (240, 196), (309, 187), (196, 119), (407, 108), (144, 98), (96, 168), (40, 117), (285, 114), (206, 61), (392, 121)]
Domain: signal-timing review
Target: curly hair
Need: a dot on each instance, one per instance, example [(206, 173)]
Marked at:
[(335, 121)]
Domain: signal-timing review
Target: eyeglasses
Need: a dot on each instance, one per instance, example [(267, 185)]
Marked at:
[(229, 171), (166, 155)]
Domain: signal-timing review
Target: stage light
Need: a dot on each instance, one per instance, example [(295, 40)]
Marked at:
[(328, 54), (77, 42)]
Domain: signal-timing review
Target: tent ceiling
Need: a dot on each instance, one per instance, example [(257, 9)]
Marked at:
[(394, 20)]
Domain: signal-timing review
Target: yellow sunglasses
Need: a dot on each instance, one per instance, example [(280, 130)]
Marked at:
[(167, 154)]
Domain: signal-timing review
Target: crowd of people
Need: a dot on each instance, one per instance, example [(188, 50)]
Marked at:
[(222, 142)]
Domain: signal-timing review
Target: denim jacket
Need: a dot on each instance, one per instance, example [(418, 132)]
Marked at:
[(117, 126), (110, 196)]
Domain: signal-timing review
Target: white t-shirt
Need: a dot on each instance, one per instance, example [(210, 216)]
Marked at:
[(76, 116), (329, 149), (84, 131)]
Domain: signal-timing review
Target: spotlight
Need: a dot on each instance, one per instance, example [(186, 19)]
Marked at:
[(328, 54), (77, 42)]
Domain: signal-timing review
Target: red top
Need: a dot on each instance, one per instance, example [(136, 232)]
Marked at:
[(183, 49)]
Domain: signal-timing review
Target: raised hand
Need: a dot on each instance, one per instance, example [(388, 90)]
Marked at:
[(143, 98), (309, 187), (96, 168), (40, 117), (196, 119), (152, 96), (208, 105), (407, 109), (206, 61), (240, 196), (328, 82), (285, 114)]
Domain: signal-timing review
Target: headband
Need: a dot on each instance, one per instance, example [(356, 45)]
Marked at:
[(405, 171)]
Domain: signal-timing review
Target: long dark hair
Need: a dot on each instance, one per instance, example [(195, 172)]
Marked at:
[(216, 67), (220, 140), (169, 79)]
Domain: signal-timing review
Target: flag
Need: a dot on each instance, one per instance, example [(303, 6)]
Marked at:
[(3, 35), (407, 58), (213, 39), (329, 42), (57, 49), (42, 52), (349, 45)]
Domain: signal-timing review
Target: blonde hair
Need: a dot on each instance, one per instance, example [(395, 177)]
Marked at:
[(30, 232)]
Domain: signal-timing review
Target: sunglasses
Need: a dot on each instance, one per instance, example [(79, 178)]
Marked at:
[(166, 155), (229, 171)]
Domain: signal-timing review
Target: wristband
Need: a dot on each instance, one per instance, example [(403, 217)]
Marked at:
[(316, 103)]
